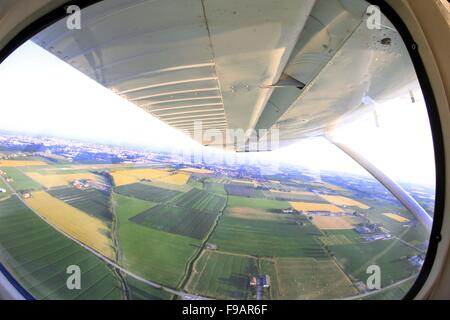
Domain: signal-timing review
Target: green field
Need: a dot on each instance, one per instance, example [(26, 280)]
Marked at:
[(196, 182), (21, 181), (202, 201), (91, 201), (182, 221), (215, 187), (265, 238), (156, 255), (394, 293), (339, 237), (307, 278), (38, 257), (258, 203), (222, 275), (390, 255), (146, 192), (141, 291)]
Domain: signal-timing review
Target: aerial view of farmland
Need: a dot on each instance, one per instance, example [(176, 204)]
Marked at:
[(151, 225)]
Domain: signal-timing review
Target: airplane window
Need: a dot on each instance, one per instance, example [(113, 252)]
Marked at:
[(215, 149)]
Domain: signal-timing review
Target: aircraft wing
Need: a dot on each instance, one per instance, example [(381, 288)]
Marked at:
[(295, 66)]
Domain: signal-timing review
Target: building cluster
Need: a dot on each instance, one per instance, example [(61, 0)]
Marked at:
[(82, 184), (417, 261), (372, 232), (260, 282)]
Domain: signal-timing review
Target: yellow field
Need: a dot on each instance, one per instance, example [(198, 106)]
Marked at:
[(302, 193), (123, 177), (311, 206), (396, 217), (344, 201), (83, 227), (56, 180), (21, 163), (333, 187), (196, 170), (178, 179), (331, 223)]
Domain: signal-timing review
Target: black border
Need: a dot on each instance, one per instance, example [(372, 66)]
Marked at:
[(438, 143), (45, 21)]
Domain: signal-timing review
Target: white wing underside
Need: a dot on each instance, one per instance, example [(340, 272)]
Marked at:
[(298, 66)]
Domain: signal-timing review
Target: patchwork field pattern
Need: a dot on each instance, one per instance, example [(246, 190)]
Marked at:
[(146, 192), (92, 201), (344, 201), (38, 256), (78, 224), (20, 180), (182, 221), (156, 255)]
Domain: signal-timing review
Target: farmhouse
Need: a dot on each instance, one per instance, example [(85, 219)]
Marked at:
[(26, 195), (211, 246), (368, 228), (81, 184), (416, 261), (260, 281)]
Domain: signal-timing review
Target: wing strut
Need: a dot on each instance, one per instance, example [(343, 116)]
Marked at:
[(400, 193)]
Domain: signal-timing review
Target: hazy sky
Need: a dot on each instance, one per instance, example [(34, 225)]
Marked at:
[(42, 94)]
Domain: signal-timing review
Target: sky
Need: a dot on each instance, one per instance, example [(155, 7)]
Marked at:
[(43, 95)]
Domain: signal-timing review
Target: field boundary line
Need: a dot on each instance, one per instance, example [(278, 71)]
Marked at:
[(196, 256)]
